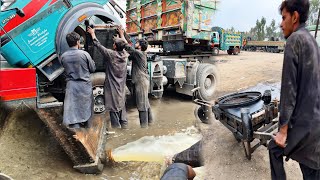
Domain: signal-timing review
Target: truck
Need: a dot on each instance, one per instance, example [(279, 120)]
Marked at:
[(266, 46), (33, 37), (226, 41), (177, 26), (183, 30)]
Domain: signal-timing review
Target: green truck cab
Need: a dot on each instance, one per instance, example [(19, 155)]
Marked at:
[(226, 41)]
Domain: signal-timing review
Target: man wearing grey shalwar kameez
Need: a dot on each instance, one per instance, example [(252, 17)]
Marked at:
[(140, 79), (115, 83), (78, 102), (299, 121)]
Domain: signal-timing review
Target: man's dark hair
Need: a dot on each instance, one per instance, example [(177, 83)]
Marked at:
[(120, 44), (301, 6), (72, 39), (143, 44)]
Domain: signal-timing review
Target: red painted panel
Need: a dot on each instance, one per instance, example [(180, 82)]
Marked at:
[(18, 83)]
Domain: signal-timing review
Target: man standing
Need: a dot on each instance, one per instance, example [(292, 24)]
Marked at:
[(78, 102), (115, 83), (140, 78), (299, 122)]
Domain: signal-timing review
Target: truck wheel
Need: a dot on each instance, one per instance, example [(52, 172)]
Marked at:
[(236, 51), (207, 79), (229, 52), (97, 80), (215, 51)]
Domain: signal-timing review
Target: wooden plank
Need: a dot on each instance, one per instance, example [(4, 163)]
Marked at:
[(85, 147)]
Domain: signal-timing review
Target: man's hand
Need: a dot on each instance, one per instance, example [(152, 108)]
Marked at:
[(281, 136), (121, 31), (91, 31), (168, 160)]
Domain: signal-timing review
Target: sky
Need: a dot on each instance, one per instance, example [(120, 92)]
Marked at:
[(243, 14)]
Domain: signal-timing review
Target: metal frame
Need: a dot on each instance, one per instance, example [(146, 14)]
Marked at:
[(258, 125)]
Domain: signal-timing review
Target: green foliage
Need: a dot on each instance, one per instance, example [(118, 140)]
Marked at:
[(271, 30), (262, 31), (260, 27)]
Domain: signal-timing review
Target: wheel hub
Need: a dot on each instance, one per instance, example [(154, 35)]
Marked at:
[(99, 103), (207, 83)]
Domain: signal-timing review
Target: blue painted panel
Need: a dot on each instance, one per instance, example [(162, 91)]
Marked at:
[(13, 55), (38, 41)]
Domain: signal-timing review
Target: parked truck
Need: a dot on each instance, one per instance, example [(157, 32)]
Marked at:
[(226, 41), (33, 37), (178, 26), (266, 46)]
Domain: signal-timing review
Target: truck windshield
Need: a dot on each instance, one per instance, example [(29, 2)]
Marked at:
[(5, 4)]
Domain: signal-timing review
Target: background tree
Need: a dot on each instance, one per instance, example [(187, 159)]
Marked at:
[(271, 30), (260, 28)]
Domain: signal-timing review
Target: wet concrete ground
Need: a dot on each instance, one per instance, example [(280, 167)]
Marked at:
[(27, 149)]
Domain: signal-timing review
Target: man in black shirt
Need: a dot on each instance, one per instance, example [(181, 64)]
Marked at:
[(299, 122)]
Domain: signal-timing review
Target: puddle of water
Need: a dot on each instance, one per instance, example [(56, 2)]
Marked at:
[(155, 149)]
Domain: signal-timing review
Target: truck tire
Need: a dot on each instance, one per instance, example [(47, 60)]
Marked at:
[(206, 79), (97, 80), (229, 52), (236, 51), (215, 51)]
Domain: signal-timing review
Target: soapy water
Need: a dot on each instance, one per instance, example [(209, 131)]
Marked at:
[(152, 152), (156, 149)]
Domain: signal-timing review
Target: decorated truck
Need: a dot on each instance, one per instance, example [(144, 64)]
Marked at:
[(177, 26), (266, 46), (226, 41)]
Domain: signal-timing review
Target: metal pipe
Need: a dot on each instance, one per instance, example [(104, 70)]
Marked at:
[(316, 31)]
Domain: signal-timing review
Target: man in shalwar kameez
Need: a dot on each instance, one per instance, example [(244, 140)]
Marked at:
[(78, 102), (115, 82), (140, 79), (299, 122)]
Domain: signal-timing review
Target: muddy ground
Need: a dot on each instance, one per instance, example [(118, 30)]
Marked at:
[(27, 151)]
